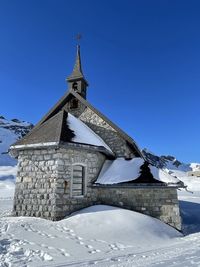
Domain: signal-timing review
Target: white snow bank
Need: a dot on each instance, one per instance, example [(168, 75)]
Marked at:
[(94, 233), (7, 171), (119, 225), (192, 183), (83, 134), (121, 170), (7, 189), (7, 181)]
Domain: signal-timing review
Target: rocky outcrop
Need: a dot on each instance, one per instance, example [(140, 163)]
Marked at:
[(165, 162)]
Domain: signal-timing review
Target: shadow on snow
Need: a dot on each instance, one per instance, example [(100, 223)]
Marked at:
[(190, 213)]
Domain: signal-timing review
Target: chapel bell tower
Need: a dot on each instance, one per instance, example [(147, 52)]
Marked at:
[(76, 81)]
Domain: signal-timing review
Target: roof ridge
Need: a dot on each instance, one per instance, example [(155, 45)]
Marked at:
[(47, 116)]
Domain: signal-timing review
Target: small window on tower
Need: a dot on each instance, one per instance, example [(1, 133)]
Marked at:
[(75, 86), (74, 104)]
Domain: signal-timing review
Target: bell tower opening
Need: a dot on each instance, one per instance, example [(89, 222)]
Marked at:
[(75, 86)]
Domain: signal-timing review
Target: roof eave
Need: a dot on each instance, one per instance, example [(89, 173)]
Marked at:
[(100, 149), (139, 185), (36, 145), (75, 78)]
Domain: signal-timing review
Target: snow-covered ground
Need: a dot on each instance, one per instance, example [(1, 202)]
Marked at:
[(99, 235), (7, 182)]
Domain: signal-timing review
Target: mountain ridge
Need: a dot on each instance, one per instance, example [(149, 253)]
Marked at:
[(168, 162), (11, 131)]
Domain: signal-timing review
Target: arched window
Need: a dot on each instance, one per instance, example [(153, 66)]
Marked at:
[(78, 182)]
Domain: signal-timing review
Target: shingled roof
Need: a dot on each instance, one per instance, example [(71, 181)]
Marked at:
[(50, 131), (51, 126), (63, 128)]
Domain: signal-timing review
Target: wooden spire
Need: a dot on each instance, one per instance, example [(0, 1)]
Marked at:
[(77, 70)]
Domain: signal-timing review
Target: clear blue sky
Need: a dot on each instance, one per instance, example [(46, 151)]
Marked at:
[(141, 58)]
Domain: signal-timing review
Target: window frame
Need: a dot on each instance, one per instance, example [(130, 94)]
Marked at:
[(84, 179)]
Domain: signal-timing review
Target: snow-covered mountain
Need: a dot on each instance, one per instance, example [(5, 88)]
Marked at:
[(176, 168), (10, 132), (168, 162), (195, 166)]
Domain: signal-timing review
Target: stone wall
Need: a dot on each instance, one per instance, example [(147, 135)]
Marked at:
[(118, 145), (43, 181), (43, 187), (93, 161), (161, 203), (35, 183)]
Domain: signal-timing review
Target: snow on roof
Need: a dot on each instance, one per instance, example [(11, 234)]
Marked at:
[(36, 145), (163, 176), (121, 170), (83, 134)]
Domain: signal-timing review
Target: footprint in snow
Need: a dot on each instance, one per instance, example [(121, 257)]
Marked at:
[(72, 234), (114, 247), (63, 252), (89, 246), (94, 251), (79, 238)]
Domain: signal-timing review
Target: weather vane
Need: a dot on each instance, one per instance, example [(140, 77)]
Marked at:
[(78, 38)]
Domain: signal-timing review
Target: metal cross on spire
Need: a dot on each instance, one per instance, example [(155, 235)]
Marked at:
[(78, 38), (77, 70)]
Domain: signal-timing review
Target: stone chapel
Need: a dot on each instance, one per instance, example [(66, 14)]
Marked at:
[(76, 157)]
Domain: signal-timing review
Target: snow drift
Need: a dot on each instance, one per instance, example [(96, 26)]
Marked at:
[(86, 236)]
